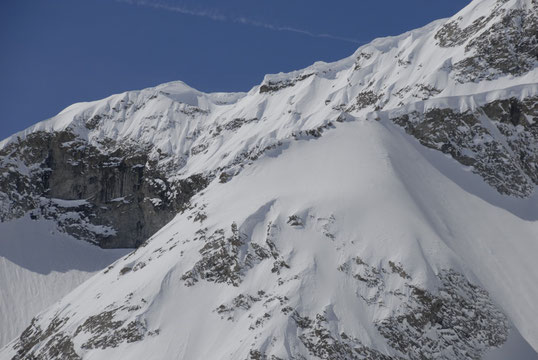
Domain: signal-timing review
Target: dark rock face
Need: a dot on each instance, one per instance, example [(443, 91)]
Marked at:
[(518, 122), (498, 140), (114, 198)]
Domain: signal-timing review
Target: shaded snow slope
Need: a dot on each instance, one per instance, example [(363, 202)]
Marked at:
[(38, 266), (336, 236)]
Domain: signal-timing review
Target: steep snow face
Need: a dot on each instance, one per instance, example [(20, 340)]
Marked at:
[(38, 266), (354, 245), (317, 214), (143, 154)]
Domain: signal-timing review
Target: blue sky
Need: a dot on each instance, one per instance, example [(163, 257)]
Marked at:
[(57, 52)]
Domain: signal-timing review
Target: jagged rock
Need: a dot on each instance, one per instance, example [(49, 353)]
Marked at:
[(467, 138), (107, 332), (460, 322), (114, 199), (323, 344), (514, 51), (57, 345)]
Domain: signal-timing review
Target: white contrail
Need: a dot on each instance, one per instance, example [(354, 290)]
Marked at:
[(247, 21), (217, 16)]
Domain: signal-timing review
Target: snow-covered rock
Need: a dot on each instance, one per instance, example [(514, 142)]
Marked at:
[(383, 206), (167, 143)]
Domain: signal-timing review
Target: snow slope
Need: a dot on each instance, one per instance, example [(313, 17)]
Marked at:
[(383, 206), (363, 190), (444, 71), (38, 266)]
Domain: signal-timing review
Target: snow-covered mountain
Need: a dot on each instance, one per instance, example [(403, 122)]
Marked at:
[(382, 207)]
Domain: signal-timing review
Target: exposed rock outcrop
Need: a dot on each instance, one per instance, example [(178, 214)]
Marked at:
[(115, 198)]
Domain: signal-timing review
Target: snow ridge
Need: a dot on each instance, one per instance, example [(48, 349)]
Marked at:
[(381, 207)]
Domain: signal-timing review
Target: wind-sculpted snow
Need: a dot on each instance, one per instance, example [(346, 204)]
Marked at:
[(379, 207), (152, 150), (313, 254)]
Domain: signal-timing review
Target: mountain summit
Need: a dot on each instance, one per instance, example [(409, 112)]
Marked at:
[(380, 207)]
